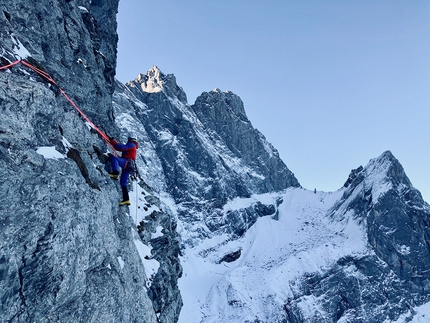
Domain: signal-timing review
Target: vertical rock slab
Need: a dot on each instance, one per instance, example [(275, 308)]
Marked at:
[(67, 253)]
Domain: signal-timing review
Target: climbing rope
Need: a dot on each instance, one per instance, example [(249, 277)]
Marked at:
[(101, 133), (137, 201), (10, 65), (51, 80)]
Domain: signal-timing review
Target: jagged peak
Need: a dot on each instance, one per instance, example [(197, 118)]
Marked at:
[(218, 94), (155, 72), (223, 93), (217, 90), (386, 166), (385, 173), (380, 165), (384, 157), (154, 81), (380, 176), (230, 100), (383, 169)]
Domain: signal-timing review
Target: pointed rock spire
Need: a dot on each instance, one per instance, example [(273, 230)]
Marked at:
[(154, 81), (393, 215)]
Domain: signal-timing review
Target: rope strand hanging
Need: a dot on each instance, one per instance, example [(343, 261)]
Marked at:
[(52, 81)]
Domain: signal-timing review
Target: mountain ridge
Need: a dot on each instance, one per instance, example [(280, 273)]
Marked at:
[(382, 266)]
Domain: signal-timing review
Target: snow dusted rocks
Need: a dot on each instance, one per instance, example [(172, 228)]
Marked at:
[(288, 256), (392, 276), (209, 152), (67, 252), (356, 255), (395, 216), (254, 246)]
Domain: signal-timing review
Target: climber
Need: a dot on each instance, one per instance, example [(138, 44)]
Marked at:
[(126, 162)]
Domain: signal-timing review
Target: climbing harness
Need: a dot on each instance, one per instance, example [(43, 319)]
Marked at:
[(51, 80), (134, 173)]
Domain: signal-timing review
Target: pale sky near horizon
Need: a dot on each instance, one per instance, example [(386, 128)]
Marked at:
[(331, 84)]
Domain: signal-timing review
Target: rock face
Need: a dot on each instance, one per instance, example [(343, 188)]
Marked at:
[(67, 252), (74, 41), (223, 116)]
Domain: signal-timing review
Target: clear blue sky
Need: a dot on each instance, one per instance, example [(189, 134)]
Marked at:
[(331, 84)]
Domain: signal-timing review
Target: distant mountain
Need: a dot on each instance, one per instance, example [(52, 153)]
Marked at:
[(209, 152), (256, 246)]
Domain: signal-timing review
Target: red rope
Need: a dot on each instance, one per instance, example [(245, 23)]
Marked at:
[(51, 80), (105, 137), (40, 72), (10, 65)]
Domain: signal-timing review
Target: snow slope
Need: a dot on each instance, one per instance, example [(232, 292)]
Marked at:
[(292, 256), (274, 255)]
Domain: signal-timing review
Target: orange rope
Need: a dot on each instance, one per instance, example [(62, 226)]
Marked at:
[(51, 80), (10, 65), (39, 71)]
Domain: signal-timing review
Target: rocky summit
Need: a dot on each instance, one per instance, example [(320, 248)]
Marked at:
[(218, 230), (209, 152)]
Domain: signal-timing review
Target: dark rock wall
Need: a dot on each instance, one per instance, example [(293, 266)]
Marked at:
[(223, 114), (67, 252)]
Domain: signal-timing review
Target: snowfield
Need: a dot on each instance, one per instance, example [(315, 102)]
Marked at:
[(267, 273), (274, 255)]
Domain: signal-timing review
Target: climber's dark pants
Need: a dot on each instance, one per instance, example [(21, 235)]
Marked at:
[(125, 193), (118, 162)]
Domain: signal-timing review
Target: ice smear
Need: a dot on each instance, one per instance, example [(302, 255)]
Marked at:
[(151, 265), (157, 233), (121, 262), (83, 9), (19, 49), (49, 153)]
